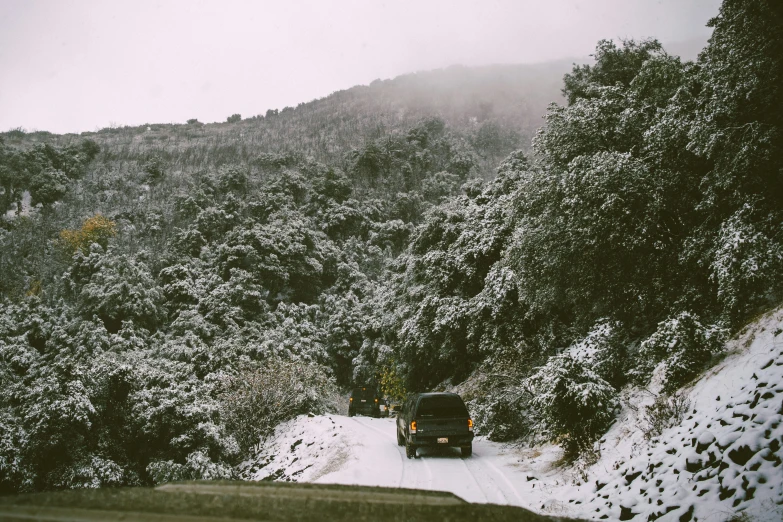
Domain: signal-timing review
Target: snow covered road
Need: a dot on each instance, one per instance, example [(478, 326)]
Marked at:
[(361, 450), (473, 479)]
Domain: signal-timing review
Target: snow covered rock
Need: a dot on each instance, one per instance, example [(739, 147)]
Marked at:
[(725, 457)]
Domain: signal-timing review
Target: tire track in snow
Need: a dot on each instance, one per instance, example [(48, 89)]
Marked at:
[(399, 451), (509, 484), (475, 480), (475, 465), (431, 479), (419, 471), (407, 464), (447, 472)]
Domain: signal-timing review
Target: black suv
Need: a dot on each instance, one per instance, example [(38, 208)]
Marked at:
[(365, 400), (435, 419)]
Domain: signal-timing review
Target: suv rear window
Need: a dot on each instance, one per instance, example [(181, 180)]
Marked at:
[(447, 406), (365, 392)]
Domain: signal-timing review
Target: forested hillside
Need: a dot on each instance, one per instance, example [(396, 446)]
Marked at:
[(170, 294), (497, 108)]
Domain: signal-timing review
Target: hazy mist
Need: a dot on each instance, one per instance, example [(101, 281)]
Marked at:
[(80, 65)]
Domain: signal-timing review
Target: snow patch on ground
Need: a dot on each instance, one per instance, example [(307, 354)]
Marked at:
[(724, 457), (301, 450)]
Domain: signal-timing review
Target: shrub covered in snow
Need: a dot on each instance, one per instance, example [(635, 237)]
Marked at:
[(501, 417), (748, 262), (497, 397), (665, 411), (603, 349), (95, 472), (197, 466), (574, 403), (683, 345), (255, 400)]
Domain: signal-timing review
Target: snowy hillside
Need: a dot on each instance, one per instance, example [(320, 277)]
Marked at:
[(725, 456)]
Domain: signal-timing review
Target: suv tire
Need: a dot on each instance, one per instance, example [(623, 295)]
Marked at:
[(467, 451), (410, 450), (400, 439)]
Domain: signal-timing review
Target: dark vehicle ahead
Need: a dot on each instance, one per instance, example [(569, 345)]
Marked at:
[(365, 400), (435, 419)]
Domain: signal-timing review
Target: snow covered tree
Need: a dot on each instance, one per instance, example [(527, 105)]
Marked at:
[(120, 288), (604, 349), (748, 262), (447, 318), (153, 170), (344, 322), (613, 66), (574, 403), (683, 345), (233, 178), (738, 126)]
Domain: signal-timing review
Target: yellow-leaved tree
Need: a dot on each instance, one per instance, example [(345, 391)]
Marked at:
[(391, 382), (96, 229)]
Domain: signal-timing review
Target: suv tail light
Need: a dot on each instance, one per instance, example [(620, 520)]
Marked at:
[(470, 424), (413, 426)]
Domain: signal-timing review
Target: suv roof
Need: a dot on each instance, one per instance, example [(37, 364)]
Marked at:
[(434, 394), (437, 404)]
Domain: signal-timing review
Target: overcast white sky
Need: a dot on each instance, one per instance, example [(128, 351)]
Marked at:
[(76, 65)]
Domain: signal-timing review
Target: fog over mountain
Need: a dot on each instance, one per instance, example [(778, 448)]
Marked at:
[(78, 66)]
